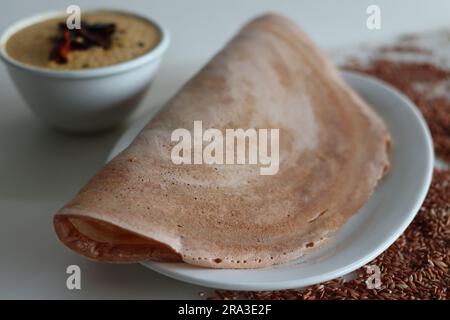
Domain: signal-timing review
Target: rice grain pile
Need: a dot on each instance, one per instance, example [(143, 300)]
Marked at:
[(417, 265), (418, 66)]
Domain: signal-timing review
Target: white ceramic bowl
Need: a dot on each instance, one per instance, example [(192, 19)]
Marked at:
[(84, 100)]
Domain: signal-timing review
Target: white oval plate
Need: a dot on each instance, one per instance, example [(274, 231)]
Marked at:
[(382, 220)]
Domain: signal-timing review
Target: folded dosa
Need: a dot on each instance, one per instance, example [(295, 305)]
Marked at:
[(333, 151)]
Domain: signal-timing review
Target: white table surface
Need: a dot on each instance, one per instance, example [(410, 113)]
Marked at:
[(41, 169)]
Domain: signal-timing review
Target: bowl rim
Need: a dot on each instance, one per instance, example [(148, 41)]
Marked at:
[(120, 67)]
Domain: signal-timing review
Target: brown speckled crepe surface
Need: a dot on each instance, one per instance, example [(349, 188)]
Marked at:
[(333, 151), (417, 265)]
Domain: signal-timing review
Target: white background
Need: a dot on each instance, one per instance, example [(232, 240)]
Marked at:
[(41, 169)]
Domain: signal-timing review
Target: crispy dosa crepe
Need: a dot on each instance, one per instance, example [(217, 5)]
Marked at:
[(333, 151)]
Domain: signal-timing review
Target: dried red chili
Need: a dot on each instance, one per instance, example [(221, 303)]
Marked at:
[(87, 36)]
